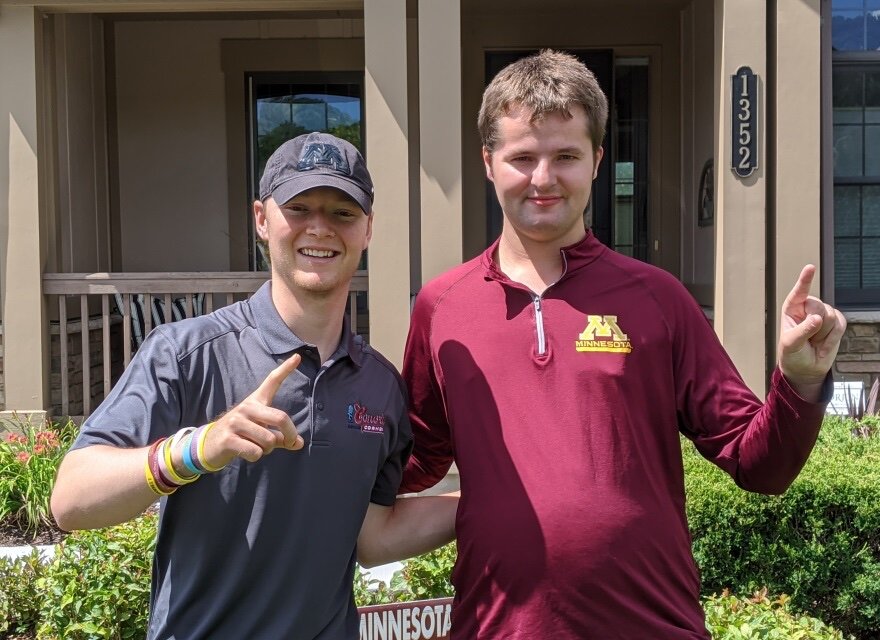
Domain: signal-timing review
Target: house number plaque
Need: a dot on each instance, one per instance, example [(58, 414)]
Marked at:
[(744, 96)]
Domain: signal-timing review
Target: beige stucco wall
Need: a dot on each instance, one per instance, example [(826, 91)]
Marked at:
[(22, 240), (698, 131), (741, 203), (386, 79), (170, 109), (797, 202)]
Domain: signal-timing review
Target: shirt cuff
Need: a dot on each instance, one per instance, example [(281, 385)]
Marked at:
[(801, 407)]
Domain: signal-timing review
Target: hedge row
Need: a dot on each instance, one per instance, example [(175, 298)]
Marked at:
[(98, 587), (819, 542)]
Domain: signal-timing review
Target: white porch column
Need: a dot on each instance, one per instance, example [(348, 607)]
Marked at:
[(388, 158), (740, 205), (440, 133), (798, 175), (25, 371)]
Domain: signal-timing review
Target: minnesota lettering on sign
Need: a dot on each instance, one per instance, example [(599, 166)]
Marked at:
[(419, 620)]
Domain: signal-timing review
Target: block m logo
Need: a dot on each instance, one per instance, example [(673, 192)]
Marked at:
[(328, 155), (603, 334), (602, 327)]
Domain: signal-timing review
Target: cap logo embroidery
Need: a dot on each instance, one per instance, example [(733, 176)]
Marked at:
[(360, 418), (317, 154), (603, 334)]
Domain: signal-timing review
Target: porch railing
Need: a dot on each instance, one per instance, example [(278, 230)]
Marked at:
[(107, 302)]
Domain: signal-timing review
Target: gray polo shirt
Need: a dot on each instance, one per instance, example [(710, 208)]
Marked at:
[(264, 549)]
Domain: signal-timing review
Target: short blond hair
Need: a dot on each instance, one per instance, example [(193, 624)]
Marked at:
[(544, 83)]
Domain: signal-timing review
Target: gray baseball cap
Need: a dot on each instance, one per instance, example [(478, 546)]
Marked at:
[(317, 160)]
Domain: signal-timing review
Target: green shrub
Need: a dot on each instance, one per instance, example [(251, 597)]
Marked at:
[(759, 618), (819, 542), (370, 591), (427, 576), (28, 463), (19, 602), (98, 584)]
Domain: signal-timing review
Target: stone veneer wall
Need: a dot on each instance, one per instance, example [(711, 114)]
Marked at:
[(75, 364), (859, 355)]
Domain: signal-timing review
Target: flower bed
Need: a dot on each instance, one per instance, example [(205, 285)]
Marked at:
[(29, 460)]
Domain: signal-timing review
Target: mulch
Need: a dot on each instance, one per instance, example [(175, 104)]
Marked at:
[(13, 536)]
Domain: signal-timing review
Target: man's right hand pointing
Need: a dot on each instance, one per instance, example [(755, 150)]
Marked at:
[(254, 428)]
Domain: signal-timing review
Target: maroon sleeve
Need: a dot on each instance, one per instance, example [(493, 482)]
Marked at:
[(432, 452), (763, 447)]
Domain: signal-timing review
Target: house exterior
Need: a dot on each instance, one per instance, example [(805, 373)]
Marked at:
[(744, 142)]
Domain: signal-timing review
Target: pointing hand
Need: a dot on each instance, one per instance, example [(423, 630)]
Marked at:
[(809, 337), (254, 428)]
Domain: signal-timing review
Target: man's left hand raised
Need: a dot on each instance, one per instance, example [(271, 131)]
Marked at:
[(809, 337)]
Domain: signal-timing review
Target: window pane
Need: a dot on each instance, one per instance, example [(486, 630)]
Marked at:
[(847, 95), (847, 4), (848, 30), (846, 211), (872, 150), (872, 96), (871, 263), (846, 264), (623, 221), (847, 150), (870, 211), (282, 117), (872, 29)]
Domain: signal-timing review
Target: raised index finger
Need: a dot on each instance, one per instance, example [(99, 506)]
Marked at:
[(265, 393), (801, 290)]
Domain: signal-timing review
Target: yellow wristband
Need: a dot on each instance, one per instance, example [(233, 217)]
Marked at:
[(201, 449)]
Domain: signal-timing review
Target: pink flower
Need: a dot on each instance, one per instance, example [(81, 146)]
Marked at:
[(23, 457), (40, 449)]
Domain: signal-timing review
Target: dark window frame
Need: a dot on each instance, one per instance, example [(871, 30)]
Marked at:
[(852, 297)]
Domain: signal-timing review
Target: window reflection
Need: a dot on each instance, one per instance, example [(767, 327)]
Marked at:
[(855, 25)]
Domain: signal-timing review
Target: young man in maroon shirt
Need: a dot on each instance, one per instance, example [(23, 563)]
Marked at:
[(558, 374)]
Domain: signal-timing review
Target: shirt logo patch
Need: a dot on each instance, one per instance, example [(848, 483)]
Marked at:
[(360, 418), (603, 334)]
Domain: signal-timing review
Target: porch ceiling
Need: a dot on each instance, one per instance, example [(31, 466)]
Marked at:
[(492, 6), (174, 6)]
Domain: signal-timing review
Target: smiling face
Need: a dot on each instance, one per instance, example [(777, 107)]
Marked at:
[(315, 239), (543, 173)]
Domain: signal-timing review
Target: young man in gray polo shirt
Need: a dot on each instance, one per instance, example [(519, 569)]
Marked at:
[(276, 434)]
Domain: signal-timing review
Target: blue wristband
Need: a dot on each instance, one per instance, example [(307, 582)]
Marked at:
[(187, 456)]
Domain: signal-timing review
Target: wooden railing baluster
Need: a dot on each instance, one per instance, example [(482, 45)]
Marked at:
[(86, 358), (62, 321), (105, 342), (166, 287)]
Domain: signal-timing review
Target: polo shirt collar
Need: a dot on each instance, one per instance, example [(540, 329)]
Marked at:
[(280, 340)]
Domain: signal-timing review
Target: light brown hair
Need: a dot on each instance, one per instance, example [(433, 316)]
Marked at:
[(544, 83)]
